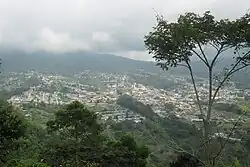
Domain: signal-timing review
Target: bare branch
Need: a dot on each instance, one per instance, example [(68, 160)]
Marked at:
[(204, 55), (156, 13), (222, 145), (204, 143), (181, 150), (229, 136), (195, 89), (217, 61), (186, 152), (240, 68), (216, 56), (199, 56), (213, 45), (219, 51), (231, 72)]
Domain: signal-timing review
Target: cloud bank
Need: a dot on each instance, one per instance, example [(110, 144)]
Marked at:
[(104, 26)]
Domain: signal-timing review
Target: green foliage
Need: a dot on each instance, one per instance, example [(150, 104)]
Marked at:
[(158, 136), (157, 80), (76, 140), (30, 146), (12, 127), (237, 163), (186, 160), (76, 136), (76, 120), (246, 107), (175, 43), (32, 165), (136, 106), (124, 152), (234, 108)]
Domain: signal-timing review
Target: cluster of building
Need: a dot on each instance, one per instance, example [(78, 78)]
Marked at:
[(96, 88)]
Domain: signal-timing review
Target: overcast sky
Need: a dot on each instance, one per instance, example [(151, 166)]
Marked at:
[(105, 26)]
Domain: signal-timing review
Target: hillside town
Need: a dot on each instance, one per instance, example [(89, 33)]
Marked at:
[(103, 89)]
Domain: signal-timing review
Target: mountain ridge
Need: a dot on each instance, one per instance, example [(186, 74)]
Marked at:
[(70, 62), (75, 62)]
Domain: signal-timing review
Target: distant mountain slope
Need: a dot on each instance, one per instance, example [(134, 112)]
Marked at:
[(17, 61), (70, 62)]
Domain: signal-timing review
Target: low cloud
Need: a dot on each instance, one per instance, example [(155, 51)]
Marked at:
[(107, 26), (50, 41), (101, 37)]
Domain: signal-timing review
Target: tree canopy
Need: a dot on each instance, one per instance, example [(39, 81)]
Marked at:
[(178, 43), (77, 135), (77, 139), (175, 43)]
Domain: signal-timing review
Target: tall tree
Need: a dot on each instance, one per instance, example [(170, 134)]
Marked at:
[(175, 44), (12, 127), (77, 135)]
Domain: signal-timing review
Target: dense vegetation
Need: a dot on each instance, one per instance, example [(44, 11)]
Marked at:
[(72, 135), (73, 138), (129, 102)]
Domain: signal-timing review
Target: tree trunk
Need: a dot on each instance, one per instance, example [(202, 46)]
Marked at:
[(207, 122), (210, 94), (206, 139)]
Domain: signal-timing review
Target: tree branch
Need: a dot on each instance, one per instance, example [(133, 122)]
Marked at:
[(217, 55), (210, 78), (228, 137), (232, 71), (213, 45), (181, 150), (204, 55), (240, 68), (203, 60), (195, 89)]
